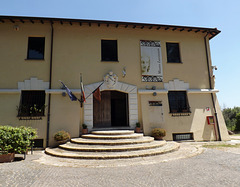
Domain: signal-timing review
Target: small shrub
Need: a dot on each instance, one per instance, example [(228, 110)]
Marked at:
[(61, 135), (84, 126), (138, 125), (158, 132)]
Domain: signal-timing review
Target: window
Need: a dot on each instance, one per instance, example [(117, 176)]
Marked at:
[(109, 50), (38, 143), (182, 136), (173, 53), (32, 103), (36, 48), (178, 102)]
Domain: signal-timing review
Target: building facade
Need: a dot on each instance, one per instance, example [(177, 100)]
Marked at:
[(158, 75)]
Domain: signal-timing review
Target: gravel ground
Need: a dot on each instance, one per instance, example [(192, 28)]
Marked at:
[(211, 168)]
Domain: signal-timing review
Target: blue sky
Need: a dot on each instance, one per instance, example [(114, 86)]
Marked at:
[(222, 14)]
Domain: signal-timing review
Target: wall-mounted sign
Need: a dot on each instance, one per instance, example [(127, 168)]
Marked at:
[(151, 61), (210, 120), (155, 103)]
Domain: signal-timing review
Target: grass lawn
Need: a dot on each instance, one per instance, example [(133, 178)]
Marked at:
[(236, 134), (222, 146)]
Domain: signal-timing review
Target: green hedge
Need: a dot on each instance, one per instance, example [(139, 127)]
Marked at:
[(16, 139)]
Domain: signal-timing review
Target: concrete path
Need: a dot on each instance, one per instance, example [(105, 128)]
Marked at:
[(187, 167)]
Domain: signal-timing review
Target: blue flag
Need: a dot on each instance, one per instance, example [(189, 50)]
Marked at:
[(70, 94)]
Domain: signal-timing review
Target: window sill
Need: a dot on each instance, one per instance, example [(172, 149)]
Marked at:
[(109, 61), (26, 115), (32, 59), (182, 113), (30, 117), (175, 62)]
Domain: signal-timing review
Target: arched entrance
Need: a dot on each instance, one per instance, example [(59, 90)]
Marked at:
[(112, 111), (130, 92)]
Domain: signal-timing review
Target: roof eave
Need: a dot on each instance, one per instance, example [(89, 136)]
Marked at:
[(212, 31)]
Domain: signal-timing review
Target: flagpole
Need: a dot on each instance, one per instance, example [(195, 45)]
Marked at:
[(81, 97), (94, 90), (81, 106)]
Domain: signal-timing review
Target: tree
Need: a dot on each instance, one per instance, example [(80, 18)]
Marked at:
[(237, 122), (230, 117)]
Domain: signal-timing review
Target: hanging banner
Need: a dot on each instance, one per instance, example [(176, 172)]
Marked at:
[(151, 61)]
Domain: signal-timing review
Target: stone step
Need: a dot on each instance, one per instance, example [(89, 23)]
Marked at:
[(113, 128), (110, 148), (112, 132), (58, 152), (144, 139), (112, 137)]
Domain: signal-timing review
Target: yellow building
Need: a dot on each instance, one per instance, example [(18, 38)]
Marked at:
[(158, 75)]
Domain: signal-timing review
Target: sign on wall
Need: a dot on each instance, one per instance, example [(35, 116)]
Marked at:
[(155, 103), (151, 61)]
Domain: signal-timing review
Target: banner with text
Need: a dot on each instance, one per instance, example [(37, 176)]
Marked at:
[(151, 61)]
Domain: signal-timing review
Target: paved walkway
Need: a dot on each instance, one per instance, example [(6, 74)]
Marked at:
[(187, 167)]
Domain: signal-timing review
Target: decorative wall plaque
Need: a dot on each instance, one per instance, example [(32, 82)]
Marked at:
[(111, 79)]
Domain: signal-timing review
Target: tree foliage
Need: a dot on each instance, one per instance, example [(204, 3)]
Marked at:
[(16, 139), (237, 122), (232, 118)]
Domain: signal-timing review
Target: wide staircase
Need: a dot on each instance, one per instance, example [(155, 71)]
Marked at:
[(112, 145)]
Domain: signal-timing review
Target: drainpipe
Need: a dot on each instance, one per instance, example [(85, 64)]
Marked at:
[(210, 84), (50, 87)]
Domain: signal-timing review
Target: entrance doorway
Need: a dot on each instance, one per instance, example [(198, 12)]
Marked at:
[(111, 111)]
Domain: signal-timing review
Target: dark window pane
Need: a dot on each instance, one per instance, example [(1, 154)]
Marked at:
[(173, 54), (109, 50), (38, 143), (178, 101), (32, 103), (36, 47)]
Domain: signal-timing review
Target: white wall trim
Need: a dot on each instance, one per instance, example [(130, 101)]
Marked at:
[(59, 91), (10, 91), (190, 91), (176, 84), (131, 90), (142, 91), (33, 84), (200, 91)]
